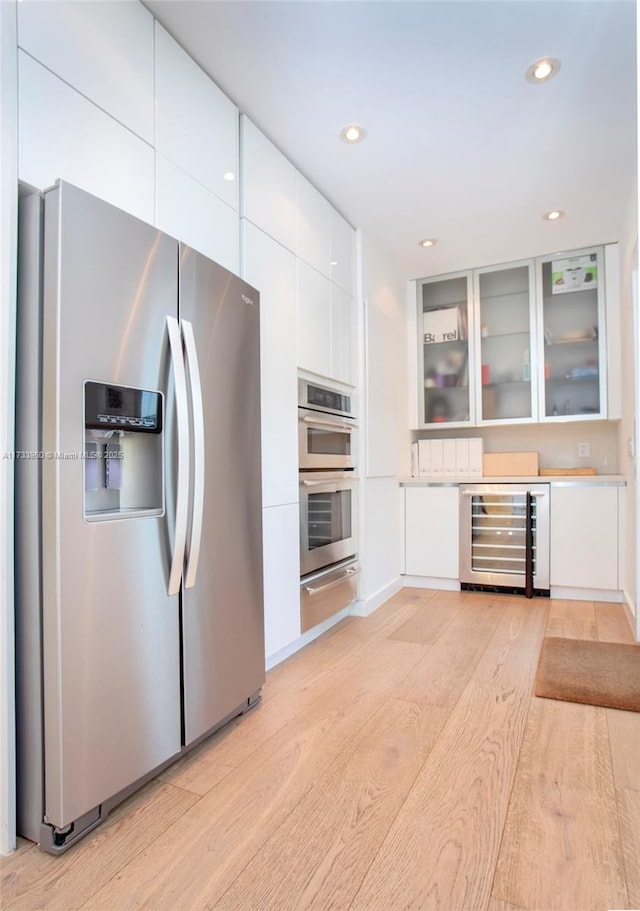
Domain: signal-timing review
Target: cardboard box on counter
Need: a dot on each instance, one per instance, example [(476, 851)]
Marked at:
[(507, 464)]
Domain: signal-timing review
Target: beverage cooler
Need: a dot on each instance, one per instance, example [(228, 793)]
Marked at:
[(504, 538)]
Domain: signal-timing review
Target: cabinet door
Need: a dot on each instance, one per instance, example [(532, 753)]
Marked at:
[(271, 269), (342, 336), (314, 320), (187, 210), (343, 253), (444, 327), (432, 532), (572, 336), (268, 187), (281, 543), (584, 537), (103, 50), (313, 226), (56, 122), (505, 313), (196, 124)]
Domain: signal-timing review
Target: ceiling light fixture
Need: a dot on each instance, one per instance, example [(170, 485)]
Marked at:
[(229, 175), (553, 215), (352, 133), (542, 70), (428, 242)]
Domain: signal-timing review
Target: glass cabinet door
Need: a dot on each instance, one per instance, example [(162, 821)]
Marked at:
[(505, 342), (443, 332), (572, 335)]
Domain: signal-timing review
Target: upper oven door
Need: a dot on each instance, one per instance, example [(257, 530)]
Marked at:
[(324, 440)]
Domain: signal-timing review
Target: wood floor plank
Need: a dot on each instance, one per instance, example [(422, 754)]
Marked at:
[(561, 847), (426, 623), (323, 849), (40, 881), (495, 904), (228, 826), (612, 623), (196, 772), (629, 815), (449, 663), (572, 620), (624, 738), (451, 823)]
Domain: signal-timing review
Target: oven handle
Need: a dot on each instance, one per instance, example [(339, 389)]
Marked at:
[(343, 428), (348, 574), (477, 493), (328, 483)]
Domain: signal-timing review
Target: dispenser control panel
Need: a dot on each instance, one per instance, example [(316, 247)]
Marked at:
[(108, 407)]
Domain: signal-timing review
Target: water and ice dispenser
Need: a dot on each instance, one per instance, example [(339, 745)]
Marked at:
[(123, 452)]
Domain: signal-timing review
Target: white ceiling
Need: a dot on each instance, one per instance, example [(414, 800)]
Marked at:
[(460, 146)]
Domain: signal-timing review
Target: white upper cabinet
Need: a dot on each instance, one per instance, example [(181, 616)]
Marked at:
[(268, 197), (314, 218), (314, 321), (342, 336), (343, 253), (195, 215), (271, 268), (572, 335), (62, 135), (104, 50), (197, 125)]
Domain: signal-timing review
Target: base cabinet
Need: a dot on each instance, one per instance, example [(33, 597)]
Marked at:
[(584, 537), (281, 568), (431, 532)]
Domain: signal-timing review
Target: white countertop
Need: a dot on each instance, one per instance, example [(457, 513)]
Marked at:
[(586, 479)]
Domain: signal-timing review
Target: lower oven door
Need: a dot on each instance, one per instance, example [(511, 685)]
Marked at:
[(496, 547), (324, 594), (327, 519)]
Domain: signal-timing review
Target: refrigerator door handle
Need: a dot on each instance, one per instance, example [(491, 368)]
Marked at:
[(182, 485), (197, 503)]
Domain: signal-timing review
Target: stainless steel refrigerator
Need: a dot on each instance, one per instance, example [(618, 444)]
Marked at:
[(138, 507)]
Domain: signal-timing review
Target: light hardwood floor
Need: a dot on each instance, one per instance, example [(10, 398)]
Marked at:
[(398, 762)]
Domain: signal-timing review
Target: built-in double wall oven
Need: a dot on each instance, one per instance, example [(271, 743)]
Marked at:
[(328, 501)]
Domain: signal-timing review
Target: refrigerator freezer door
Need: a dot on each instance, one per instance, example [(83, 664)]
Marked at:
[(222, 614), (110, 630)]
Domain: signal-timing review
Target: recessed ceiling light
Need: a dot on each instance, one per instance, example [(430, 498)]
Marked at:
[(553, 215), (542, 70), (334, 262), (428, 242), (229, 175), (352, 133)]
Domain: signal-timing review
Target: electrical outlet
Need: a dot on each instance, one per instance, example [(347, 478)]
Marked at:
[(583, 450)]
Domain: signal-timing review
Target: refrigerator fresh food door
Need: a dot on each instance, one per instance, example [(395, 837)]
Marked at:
[(222, 610), (110, 630)]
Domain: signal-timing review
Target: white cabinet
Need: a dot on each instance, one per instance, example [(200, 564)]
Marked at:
[(343, 253), (431, 532), (196, 216), (342, 336), (313, 232), (572, 336), (62, 135), (268, 196), (103, 50), (520, 342), (271, 269), (314, 320), (196, 124), (584, 536), (281, 568)]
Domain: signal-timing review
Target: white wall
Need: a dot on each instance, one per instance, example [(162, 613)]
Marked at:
[(8, 246), (630, 417), (384, 375)]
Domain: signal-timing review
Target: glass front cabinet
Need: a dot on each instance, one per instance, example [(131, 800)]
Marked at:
[(571, 336), (505, 387), (444, 332), (514, 343)]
